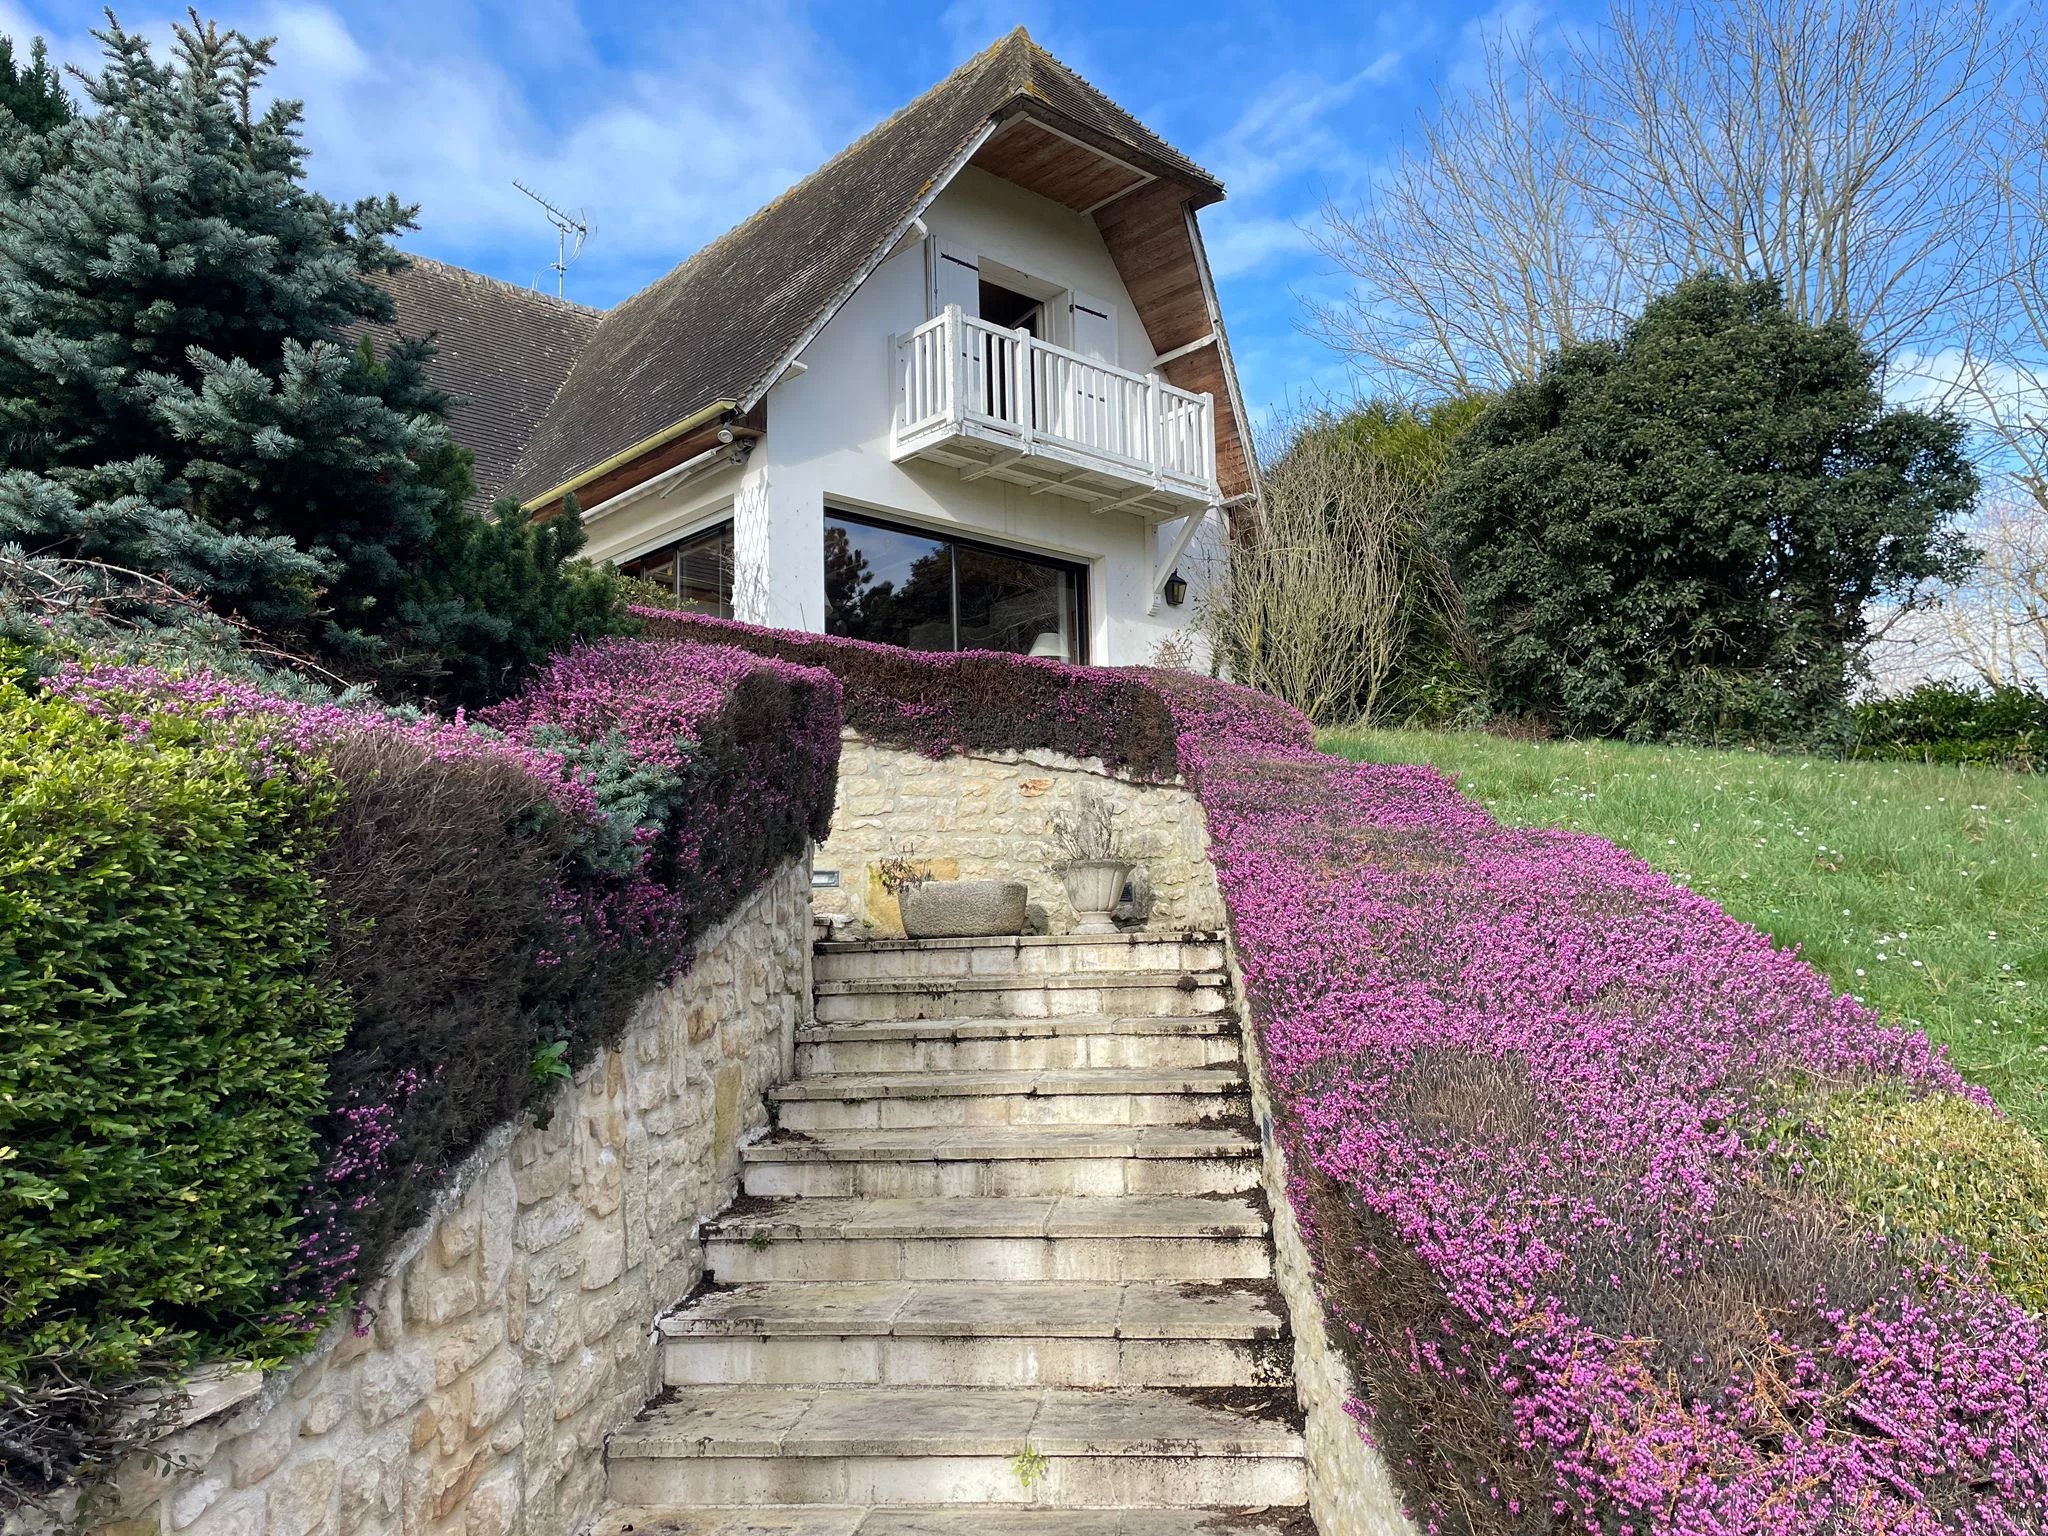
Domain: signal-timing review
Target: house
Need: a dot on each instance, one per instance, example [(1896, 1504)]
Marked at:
[(965, 386)]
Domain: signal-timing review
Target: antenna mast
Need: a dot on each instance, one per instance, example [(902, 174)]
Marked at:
[(566, 224)]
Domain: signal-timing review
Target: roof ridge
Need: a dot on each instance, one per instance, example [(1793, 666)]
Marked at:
[(554, 299), (1042, 57)]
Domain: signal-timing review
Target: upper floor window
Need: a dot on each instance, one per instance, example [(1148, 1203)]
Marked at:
[(904, 586), (696, 571)]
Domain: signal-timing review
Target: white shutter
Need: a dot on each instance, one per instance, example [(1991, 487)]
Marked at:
[(956, 278), (1094, 327)]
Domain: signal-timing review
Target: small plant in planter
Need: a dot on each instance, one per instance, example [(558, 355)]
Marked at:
[(1092, 864), (898, 874)]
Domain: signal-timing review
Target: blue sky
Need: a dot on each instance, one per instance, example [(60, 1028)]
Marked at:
[(670, 122)]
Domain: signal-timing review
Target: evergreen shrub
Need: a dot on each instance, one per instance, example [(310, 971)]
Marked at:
[(1956, 723), (165, 1025), (271, 967), (939, 703)]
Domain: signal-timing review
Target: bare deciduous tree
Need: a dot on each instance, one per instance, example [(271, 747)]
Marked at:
[(1313, 603), (1838, 146), (1478, 253), (1994, 627)]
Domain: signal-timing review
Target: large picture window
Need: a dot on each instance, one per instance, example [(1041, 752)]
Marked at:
[(696, 571), (904, 586)]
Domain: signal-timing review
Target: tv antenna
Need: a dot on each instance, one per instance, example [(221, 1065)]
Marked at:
[(566, 224)]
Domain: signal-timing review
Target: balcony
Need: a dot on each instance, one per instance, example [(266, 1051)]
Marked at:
[(1003, 405)]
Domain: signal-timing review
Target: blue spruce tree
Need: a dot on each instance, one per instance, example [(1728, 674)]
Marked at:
[(183, 394)]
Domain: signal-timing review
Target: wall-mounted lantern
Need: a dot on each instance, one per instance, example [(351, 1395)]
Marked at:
[(1175, 591)]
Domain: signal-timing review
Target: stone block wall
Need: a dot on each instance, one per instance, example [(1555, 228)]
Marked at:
[(989, 817), (516, 1330)]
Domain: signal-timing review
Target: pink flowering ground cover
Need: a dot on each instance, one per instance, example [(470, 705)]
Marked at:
[(506, 888), (1529, 1089), (940, 703)]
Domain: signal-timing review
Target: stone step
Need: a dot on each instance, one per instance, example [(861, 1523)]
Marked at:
[(1003, 1161), (855, 1101), (959, 1045), (1052, 1448), (1151, 1333), (1036, 954), (1127, 1237), (1011, 995), (929, 1520)]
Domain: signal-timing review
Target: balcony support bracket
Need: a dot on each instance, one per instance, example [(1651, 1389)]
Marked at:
[(1190, 525)]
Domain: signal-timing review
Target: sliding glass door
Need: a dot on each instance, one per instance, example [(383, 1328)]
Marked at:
[(904, 586)]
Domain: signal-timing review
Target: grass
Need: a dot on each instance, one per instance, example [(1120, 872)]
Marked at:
[(1921, 890)]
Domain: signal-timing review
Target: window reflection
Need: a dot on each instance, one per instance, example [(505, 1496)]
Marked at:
[(907, 588), (696, 572)]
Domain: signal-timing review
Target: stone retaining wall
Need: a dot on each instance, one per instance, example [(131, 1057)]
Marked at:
[(517, 1329), (989, 817)]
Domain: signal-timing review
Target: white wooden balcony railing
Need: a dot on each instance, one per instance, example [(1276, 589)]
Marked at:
[(1003, 403)]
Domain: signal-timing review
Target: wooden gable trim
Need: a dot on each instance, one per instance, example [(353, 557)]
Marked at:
[(1153, 239)]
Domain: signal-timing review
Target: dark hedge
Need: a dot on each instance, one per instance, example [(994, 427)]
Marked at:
[(940, 703), (1956, 723)]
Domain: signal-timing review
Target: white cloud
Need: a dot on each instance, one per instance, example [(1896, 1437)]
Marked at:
[(1241, 244), (663, 154), (445, 107), (1286, 130)]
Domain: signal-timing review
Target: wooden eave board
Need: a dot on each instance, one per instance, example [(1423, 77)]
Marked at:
[(1055, 167)]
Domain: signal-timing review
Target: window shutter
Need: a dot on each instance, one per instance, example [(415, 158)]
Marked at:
[(956, 278), (1094, 326)]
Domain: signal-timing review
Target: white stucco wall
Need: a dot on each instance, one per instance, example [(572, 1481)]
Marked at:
[(828, 443)]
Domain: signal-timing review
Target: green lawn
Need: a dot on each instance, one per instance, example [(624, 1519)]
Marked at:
[(1923, 891)]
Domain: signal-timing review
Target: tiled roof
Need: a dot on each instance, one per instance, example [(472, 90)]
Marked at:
[(502, 353), (720, 325)]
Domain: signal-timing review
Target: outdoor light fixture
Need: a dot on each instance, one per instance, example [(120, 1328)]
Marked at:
[(1175, 590)]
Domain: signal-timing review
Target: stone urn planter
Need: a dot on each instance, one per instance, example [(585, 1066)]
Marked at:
[(1094, 886), (962, 909)]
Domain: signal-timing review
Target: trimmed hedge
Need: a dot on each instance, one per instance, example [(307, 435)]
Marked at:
[(165, 1023), (1953, 723), (479, 908), (941, 702)]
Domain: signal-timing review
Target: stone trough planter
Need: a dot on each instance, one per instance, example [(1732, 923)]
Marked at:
[(962, 909)]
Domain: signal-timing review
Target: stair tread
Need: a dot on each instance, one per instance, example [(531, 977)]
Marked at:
[(983, 1082), (941, 1520), (1022, 981), (944, 1421), (1050, 1216), (1022, 941), (1132, 1309), (1060, 1026), (947, 1143)]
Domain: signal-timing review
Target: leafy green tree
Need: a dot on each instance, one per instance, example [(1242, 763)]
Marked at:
[(180, 395), (33, 96), (1683, 533), (1412, 443)]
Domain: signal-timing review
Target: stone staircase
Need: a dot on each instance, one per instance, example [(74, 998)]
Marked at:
[(1004, 1267)]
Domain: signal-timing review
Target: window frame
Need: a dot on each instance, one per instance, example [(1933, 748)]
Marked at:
[(1077, 571), (728, 525)]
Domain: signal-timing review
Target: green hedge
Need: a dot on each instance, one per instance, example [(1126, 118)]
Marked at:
[(163, 1034), (1952, 723)]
